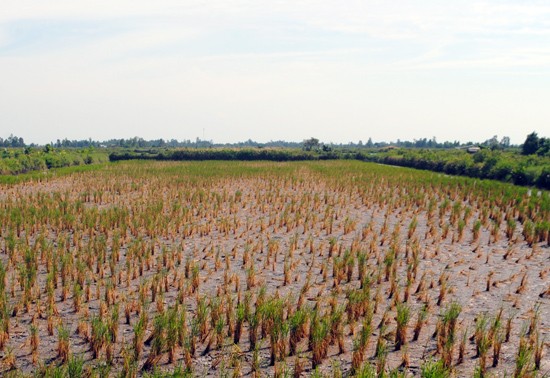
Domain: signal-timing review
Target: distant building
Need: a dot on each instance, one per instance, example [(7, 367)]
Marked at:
[(473, 150)]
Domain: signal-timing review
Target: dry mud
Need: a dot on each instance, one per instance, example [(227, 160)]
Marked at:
[(280, 220)]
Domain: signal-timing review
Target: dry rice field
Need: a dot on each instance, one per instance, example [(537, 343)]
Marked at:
[(253, 269)]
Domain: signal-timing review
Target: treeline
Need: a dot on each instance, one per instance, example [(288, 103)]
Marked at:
[(12, 141), (29, 159), (507, 166), (244, 154), (138, 142)]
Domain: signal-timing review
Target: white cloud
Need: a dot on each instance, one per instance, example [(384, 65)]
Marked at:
[(429, 24), (340, 70), (377, 17)]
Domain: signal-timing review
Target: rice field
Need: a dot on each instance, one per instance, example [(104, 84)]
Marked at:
[(256, 269)]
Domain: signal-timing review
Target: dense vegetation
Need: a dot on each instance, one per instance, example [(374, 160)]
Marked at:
[(243, 154), (507, 165), (14, 161)]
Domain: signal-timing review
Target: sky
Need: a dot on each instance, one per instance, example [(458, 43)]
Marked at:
[(232, 70)]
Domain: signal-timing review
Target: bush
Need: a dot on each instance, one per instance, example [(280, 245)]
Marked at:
[(544, 178), (502, 171), (523, 176)]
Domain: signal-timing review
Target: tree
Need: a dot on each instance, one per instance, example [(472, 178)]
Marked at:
[(12, 141), (492, 143), (505, 142), (544, 147), (311, 144), (531, 144)]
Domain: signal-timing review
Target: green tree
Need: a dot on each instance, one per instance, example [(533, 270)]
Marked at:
[(531, 144), (544, 147), (311, 144), (505, 142)]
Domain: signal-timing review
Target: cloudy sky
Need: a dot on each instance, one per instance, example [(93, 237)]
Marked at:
[(268, 70)]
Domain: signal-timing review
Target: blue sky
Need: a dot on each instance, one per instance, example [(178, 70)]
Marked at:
[(267, 70)]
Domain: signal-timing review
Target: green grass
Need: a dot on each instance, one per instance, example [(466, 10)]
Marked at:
[(49, 174), (347, 173)]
